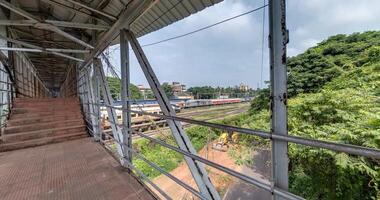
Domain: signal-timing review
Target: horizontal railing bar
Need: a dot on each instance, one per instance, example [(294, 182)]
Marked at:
[(175, 179), (179, 182), (142, 175), (241, 176), (347, 148)]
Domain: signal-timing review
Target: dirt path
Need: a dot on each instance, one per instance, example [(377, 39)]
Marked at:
[(259, 170), (229, 188), (220, 179)]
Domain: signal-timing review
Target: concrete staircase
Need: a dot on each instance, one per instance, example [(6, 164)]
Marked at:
[(35, 122)]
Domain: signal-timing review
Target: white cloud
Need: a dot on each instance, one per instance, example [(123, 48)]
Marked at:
[(230, 53)]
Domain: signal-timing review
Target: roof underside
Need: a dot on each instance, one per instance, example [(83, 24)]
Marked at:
[(102, 13)]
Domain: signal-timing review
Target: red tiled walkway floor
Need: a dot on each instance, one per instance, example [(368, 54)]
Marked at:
[(78, 169)]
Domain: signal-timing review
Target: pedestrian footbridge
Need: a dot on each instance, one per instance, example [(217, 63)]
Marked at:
[(52, 85)]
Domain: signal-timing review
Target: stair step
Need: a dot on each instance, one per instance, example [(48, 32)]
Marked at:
[(45, 114), (31, 135), (44, 104), (45, 99), (42, 126), (36, 122), (33, 120), (41, 141), (54, 108)]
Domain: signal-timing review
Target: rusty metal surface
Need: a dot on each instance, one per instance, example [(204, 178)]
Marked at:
[(78, 169)]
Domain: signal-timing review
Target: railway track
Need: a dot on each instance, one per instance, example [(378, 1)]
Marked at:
[(186, 125), (158, 125)]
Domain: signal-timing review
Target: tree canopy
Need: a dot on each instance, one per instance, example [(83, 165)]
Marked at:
[(310, 71), (115, 89)]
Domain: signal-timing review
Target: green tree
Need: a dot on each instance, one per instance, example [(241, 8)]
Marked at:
[(115, 89), (167, 89), (204, 92)]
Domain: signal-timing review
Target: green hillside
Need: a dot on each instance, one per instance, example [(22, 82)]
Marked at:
[(335, 96)]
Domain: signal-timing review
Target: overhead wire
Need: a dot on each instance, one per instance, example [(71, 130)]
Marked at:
[(203, 28), (206, 27)]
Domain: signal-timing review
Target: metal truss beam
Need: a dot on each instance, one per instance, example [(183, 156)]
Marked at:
[(197, 168), (56, 23), (77, 11), (278, 38), (126, 92), (35, 48), (91, 9), (47, 49), (111, 112), (40, 24), (132, 11), (91, 105), (96, 94)]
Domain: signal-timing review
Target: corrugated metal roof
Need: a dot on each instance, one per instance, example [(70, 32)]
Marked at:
[(166, 12)]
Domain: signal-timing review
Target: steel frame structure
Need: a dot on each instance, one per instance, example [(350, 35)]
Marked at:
[(86, 79), (278, 38)]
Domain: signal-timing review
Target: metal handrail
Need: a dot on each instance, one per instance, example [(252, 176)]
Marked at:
[(176, 180), (253, 181), (346, 148)]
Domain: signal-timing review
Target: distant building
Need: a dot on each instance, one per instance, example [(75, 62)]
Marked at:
[(243, 87), (144, 91), (179, 91), (177, 87)]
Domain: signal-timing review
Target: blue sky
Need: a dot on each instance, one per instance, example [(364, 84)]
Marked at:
[(230, 53)]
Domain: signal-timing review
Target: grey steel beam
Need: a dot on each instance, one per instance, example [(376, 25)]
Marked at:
[(278, 38), (41, 24), (39, 50), (95, 86), (36, 48), (92, 9), (110, 66), (18, 11), (197, 169), (111, 112), (56, 23), (77, 11), (47, 49), (131, 12), (78, 25), (125, 92), (91, 108)]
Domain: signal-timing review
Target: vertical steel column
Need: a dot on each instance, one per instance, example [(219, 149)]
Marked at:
[(94, 121), (197, 169), (278, 38), (125, 92), (96, 93), (111, 112)]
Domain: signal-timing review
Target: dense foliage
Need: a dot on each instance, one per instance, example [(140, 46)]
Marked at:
[(115, 88), (310, 71), (335, 96), (165, 158), (208, 92), (167, 89)]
